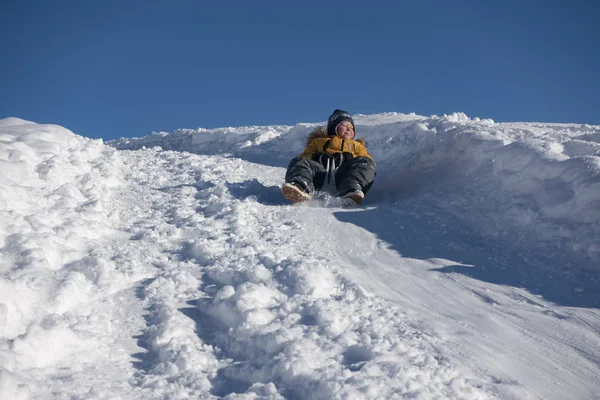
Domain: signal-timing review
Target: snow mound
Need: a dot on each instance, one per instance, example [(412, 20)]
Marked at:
[(55, 195)]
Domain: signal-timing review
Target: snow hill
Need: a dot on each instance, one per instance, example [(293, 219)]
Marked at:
[(170, 266)]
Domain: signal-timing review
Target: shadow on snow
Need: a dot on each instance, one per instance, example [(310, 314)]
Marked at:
[(267, 195), (424, 232), (417, 230)]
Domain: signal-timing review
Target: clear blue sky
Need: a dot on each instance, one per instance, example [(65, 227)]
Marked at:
[(127, 68)]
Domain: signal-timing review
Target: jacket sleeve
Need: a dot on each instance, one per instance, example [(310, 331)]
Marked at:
[(310, 150), (361, 151)]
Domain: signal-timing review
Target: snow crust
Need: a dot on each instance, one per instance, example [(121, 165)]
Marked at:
[(171, 267)]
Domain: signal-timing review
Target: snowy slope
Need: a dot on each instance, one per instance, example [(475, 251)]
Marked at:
[(531, 180), (177, 270)]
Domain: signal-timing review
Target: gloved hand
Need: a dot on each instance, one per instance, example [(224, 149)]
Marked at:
[(337, 158), (322, 158)]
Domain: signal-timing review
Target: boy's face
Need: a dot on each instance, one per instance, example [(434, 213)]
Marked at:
[(345, 130)]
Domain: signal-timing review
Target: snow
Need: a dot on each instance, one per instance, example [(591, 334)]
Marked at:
[(170, 266)]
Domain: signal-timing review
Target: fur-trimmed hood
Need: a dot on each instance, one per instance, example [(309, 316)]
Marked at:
[(321, 132)]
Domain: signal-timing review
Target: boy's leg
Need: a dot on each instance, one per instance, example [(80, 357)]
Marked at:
[(309, 174), (356, 174)]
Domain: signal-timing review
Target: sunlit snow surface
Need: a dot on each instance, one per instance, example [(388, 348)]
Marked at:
[(177, 270)]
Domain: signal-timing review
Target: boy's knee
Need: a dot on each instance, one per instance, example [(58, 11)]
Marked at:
[(363, 162)]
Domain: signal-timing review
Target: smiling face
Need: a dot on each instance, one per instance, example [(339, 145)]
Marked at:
[(345, 130)]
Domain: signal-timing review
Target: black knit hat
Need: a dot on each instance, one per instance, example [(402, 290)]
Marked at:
[(337, 118)]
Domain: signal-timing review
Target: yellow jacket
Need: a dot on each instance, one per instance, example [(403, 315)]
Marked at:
[(319, 142)]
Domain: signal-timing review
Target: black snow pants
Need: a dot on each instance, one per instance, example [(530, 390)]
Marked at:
[(355, 173)]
